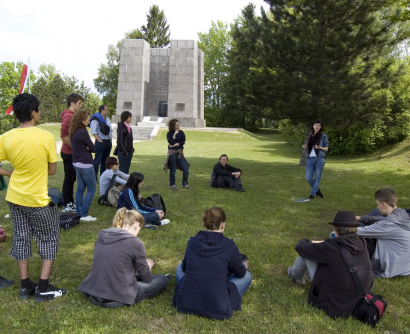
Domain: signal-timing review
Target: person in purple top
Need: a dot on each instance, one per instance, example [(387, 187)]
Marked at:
[(82, 146)]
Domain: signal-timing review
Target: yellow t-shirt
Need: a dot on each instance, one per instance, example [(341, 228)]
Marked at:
[(29, 150)]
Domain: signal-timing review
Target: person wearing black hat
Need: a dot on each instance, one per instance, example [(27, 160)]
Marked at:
[(333, 288)]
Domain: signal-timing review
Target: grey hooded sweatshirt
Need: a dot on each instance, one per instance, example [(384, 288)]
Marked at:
[(117, 256), (393, 242)]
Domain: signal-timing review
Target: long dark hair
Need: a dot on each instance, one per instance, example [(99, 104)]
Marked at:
[(134, 180), (321, 126), (77, 121), (171, 124)]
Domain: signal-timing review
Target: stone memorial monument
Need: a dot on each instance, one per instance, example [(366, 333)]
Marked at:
[(158, 84)]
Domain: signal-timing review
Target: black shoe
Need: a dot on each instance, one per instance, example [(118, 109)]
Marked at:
[(27, 293), (319, 193), (311, 197), (4, 282), (151, 226), (239, 189), (52, 292), (169, 276)]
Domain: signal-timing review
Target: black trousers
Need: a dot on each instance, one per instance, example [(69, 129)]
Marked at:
[(231, 181), (69, 178)]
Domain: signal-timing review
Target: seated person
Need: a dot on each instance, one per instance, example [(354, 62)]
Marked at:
[(333, 288), (203, 285), (387, 236), (112, 166), (118, 254), (224, 175), (129, 198)]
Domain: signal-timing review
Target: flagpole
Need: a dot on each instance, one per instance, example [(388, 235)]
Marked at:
[(29, 82)]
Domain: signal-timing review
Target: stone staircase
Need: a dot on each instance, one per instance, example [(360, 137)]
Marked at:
[(145, 130)]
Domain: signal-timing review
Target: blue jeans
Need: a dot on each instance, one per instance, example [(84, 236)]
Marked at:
[(300, 267), (85, 179), (241, 283), (152, 217), (314, 165), (102, 152), (173, 160), (125, 162)]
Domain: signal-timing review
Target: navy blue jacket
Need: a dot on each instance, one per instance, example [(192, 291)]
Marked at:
[(129, 199), (179, 138), (205, 290)]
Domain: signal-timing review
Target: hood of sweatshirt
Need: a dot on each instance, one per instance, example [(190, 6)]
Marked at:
[(207, 243), (352, 242), (112, 235)]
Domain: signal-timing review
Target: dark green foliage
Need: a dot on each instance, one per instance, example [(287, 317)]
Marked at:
[(156, 31)]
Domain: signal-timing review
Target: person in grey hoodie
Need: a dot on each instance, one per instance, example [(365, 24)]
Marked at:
[(118, 254), (387, 235)]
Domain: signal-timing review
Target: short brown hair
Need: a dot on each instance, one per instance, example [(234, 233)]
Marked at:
[(213, 218), (386, 195), (110, 161), (171, 124), (73, 97), (345, 230)]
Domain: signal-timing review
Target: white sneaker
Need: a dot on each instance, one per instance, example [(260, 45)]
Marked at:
[(88, 219), (165, 221)]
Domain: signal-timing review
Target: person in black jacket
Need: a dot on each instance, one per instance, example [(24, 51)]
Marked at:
[(203, 285), (333, 288), (224, 175), (125, 142)]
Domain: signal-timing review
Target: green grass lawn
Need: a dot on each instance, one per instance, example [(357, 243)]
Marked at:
[(265, 223)]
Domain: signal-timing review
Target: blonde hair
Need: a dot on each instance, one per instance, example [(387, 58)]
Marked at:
[(213, 218), (125, 217)]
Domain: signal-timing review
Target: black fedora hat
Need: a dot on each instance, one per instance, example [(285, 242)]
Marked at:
[(345, 219)]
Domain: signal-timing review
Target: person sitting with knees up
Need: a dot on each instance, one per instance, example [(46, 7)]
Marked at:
[(204, 286), (224, 175), (118, 254), (129, 199), (112, 166), (333, 288)]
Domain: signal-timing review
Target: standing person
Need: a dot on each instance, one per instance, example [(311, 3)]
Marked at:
[(203, 285), (130, 199), (33, 154), (175, 155), (125, 142), (317, 147), (118, 254), (74, 103), (224, 175), (102, 131), (82, 146)]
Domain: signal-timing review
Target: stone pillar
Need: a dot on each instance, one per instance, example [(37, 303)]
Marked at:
[(133, 79)]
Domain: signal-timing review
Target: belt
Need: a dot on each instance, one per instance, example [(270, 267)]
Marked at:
[(106, 140)]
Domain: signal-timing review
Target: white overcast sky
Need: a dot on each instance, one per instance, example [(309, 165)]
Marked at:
[(74, 35)]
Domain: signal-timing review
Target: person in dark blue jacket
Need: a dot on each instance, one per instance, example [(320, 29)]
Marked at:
[(203, 285), (129, 198)]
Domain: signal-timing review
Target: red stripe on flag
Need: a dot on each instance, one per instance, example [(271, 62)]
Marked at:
[(9, 110), (23, 78)]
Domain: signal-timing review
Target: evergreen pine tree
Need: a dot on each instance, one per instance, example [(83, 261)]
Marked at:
[(156, 31)]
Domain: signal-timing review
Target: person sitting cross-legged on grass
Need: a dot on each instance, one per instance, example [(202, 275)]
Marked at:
[(118, 254), (203, 285), (129, 198), (333, 288), (387, 233), (224, 175)]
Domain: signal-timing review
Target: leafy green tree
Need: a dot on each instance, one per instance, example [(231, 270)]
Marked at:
[(156, 31), (215, 44)]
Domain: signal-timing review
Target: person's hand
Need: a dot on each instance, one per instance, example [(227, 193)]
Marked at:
[(317, 241), (150, 263), (176, 132), (358, 218), (317, 147), (304, 146), (160, 213), (237, 174), (177, 144)]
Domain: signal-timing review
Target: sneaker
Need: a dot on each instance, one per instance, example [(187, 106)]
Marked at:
[(70, 207), (52, 292), (88, 219), (186, 187), (169, 276), (311, 197), (319, 193), (298, 281), (174, 187), (4, 282), (27, 293), (150, 226), (165, 221), (240, 189)]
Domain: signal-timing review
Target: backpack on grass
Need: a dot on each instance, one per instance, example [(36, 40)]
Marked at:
[(154, 201), (103, 200), (68, 220)]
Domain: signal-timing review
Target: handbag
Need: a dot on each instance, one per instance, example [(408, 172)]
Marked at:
[(103, 200), (371, 307)]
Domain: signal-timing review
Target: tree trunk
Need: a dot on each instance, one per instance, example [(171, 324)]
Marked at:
[(305, 154)]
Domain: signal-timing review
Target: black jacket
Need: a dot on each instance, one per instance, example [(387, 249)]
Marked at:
[(333, 288), (221, 170), (124, 139)]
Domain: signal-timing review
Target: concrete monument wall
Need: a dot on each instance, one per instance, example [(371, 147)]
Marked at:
[(174, 75)]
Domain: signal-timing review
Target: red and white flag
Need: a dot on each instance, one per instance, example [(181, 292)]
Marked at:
[(23, 80)]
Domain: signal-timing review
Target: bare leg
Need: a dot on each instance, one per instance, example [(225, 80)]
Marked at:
[(23, 268), (46, 269)]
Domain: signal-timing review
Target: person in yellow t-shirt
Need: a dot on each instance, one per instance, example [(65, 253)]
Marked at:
[(33, 155)]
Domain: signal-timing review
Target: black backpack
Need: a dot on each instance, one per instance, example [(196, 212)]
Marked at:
[(69, 219), (155, 200), (104, 128)]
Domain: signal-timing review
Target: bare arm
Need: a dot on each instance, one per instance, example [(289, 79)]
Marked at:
[(66, 140), (97, 138), (5, 172), (52, 168)]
